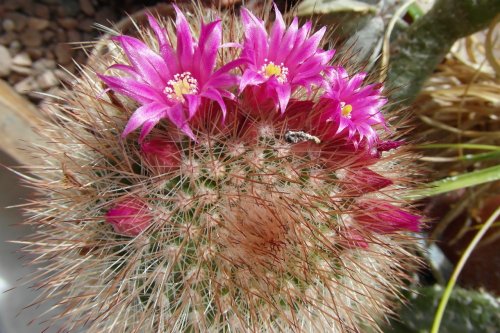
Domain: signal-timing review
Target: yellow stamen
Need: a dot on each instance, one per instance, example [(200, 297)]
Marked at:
[(271, 69), (346, 110), (181, 85)]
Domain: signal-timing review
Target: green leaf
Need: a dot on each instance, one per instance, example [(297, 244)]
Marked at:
[(310, 7), (415, 11), (457, 182), (471, 146)]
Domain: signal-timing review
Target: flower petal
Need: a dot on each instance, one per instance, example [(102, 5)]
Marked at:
[(145, 61), (150, 113)]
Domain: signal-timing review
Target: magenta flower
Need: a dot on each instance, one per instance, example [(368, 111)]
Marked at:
[(382, 217), (173, 83), (129, 217), (351, 109), (284, 60)]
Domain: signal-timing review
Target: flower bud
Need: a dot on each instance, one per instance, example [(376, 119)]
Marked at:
[(129, 217)]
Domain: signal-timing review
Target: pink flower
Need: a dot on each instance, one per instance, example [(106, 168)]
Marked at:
[(173, 83), (282, 61), (382, 217), (129, 217), (160, 154), (350, 109)]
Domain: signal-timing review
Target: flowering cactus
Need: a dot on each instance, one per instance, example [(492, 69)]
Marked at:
[(263, 192)]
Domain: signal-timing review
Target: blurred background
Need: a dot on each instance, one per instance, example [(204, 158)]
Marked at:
[(442, 66)]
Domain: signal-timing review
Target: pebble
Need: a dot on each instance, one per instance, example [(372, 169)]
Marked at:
[(8, 25), (44, 64), (74, 36), (15, 46), (31, 38), (5, 61), (35, 53), (19, 20), (37, 23), (7, 38), (86, 25), (21, 69), (68, 23), (63, 53), (26, 85), (47, 80), (42, 11), (87, 7), (22, 59)]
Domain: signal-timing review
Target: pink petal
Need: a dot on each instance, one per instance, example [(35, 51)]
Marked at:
[(184, 40), (255, 45), (214, 95), (276, 33), (193, 102), (145, 61), (206, 53), (250, 78), (160, 33), (152, 112), (127, 86), (283, 91), (288, 41)]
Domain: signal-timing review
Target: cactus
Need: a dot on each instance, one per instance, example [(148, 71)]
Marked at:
[(260, 195)]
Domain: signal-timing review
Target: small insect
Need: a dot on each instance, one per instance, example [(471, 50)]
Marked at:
[(300, 136)]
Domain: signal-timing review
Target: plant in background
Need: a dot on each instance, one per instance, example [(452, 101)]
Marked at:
[(264, 192)]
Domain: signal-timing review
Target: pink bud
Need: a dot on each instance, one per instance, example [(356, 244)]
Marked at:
[(385, 218), (363, 180), (129, 217), (161, 155)]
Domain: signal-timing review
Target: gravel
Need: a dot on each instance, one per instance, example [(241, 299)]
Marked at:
[(40, 37)]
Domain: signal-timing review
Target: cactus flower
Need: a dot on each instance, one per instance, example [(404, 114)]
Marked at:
[(352, 110), (281, 61), (172, 83)]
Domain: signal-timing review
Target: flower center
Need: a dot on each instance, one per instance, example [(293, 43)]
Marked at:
[(181, 85), (271, 69), (346, 109)]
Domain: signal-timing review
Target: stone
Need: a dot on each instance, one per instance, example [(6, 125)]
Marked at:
[(27, 85), (42, 11), (21, 69), (63, 53), (105, 15), (68, 23), (12, 5), (31, 38), (47, 80), (37, 23), (61, 35), (48, 35), (22, 59), (19, 20), (86, 25), (74, 36), (35, 53), (68, 8), (15, 46), (5, 61), (44, 64), (87, 7), (8, 25), (7, 38)]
